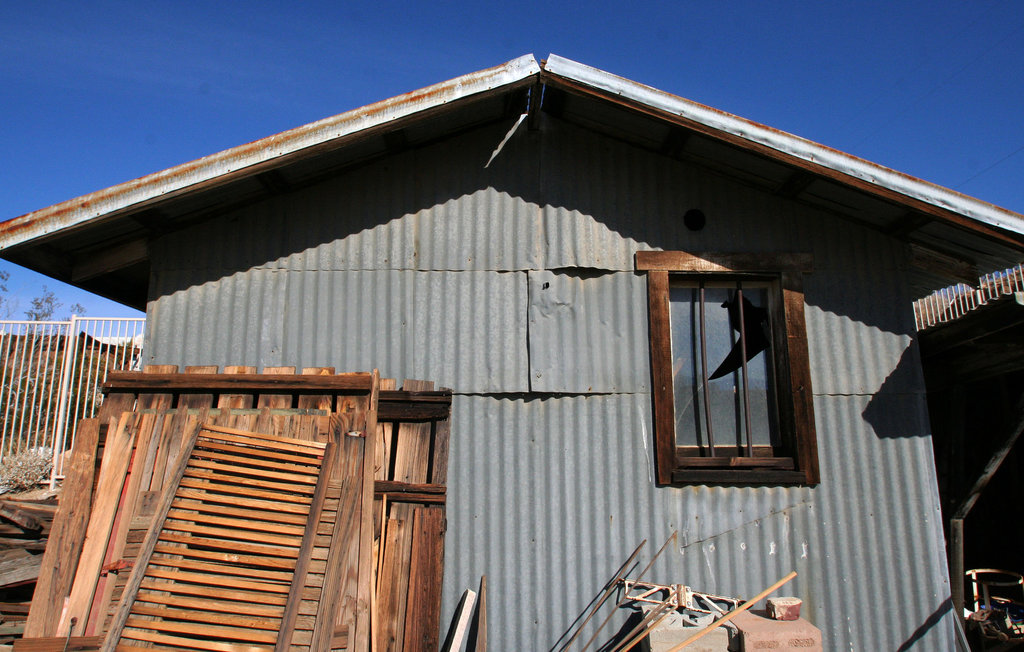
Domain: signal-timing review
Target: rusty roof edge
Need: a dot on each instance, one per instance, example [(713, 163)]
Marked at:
[(787, 143), (85, 208)]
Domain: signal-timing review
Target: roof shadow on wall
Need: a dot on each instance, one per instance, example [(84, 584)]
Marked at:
[(559, 197)]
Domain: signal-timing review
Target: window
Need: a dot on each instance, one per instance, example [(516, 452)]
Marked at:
[(722, 416)]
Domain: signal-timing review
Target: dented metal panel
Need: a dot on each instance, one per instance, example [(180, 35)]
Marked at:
[(588, 333)]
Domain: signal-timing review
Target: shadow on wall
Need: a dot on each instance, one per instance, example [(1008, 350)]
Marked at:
[(556, 198), (895, 410)]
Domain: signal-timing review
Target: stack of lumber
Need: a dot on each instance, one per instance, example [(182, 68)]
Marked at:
[(231, 511)]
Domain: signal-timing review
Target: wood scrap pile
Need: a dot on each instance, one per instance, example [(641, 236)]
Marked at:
[(24, 528), (231, 511)]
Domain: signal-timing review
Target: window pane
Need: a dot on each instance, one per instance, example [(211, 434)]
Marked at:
[(723, 352)]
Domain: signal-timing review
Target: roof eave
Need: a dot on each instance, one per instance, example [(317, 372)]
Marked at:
[(222, 166), (942, 202)]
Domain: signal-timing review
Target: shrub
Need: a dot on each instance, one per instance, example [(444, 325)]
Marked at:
[(25, 470)]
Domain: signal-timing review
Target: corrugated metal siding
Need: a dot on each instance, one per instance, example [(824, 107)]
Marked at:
[(588, 333), (549, 495), (396, 213), (464, 330)]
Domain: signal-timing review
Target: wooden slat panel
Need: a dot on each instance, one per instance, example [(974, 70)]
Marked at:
[(273, 583)]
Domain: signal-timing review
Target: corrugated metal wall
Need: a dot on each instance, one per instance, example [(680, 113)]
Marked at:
[(514, 286)]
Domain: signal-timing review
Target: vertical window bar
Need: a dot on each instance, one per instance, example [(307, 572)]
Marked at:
[(704, 376), (743, 359)]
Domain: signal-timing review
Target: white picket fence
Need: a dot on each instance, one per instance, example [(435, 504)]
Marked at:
[(51, 373), (957, 300)]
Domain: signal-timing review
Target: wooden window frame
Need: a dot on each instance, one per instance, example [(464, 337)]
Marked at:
[(676, 465)]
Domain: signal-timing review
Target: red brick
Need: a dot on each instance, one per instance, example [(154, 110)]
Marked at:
[(757, 633), (784, 608)]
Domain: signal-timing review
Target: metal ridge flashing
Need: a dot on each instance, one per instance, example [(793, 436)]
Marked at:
[(182, 177), (786, 143)]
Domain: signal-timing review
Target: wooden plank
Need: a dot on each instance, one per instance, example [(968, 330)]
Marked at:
[(393, 487), (196, 398), (393, 582), (439, 465), (801, 394), (258, 460), (211, 580), (661, 375), (460, 623), (237, 489), (114, 466), (194, 643), (411, 451), (267, 513), (317, 401), (342, 569), (236, 546), (244, 437), (67, 535), (273, 379), (244, 468), (268, 400), (207, 603), (284, 510), (242, 481), (179, 559), (476, 641), (245, 634), (236, 535), (208, 617), (11, 512), (362, 635), (422, 617), (59, 643), (285, 458), (242, 399), (249, 561), (738, 263)]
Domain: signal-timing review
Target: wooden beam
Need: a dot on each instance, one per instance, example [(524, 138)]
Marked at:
[(910, 222), (993, 465), (943, 264), (128, 381), (795, 184), (109, 259), (740, 263)]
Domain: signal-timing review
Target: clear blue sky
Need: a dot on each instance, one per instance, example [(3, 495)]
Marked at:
[(96, 93)]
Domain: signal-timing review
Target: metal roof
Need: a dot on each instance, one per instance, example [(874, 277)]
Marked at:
[(100, 241)]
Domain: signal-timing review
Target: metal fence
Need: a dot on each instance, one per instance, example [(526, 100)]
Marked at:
[(50, 377), (956, 301)]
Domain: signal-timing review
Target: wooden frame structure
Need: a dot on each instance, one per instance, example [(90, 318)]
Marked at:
[(181, 503)]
